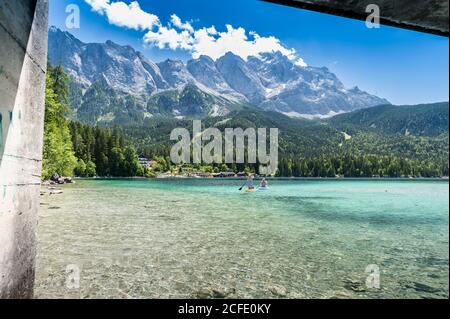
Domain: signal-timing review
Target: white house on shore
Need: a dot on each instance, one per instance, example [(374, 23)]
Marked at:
[(146, 162)]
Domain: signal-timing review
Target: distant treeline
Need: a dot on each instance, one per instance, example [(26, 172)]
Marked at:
[(345, 165), (360, 166), (349, 164)]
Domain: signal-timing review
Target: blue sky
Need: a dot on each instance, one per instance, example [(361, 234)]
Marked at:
[(406, 67)]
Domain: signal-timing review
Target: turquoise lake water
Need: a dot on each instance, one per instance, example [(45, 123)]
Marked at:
[(195, 238)]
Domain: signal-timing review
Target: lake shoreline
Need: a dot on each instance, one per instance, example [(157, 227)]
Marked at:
[(271, 178)]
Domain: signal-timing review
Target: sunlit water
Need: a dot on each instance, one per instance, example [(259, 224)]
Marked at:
[(205, 239)]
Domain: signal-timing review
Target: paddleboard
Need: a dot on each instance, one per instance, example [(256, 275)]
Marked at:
[(250, 190)]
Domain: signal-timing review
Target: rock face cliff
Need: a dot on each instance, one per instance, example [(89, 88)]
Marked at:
[(200, 87)]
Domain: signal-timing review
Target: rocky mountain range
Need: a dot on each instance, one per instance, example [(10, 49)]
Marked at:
[(111, 82)]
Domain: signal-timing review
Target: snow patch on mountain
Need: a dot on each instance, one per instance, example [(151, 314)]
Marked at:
[(312, 116)]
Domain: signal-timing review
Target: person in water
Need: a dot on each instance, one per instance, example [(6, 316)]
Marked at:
[(250, 182), (264, 183)]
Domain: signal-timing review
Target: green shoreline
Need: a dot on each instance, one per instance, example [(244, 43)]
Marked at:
[(271, 178)]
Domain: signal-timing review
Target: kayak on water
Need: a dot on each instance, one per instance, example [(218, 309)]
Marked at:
[(263, 188)]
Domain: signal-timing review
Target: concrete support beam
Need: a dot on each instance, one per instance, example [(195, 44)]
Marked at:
[(23, 63), (430, 16)]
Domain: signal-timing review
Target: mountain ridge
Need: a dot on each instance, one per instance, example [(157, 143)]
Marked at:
[(421, 119), (340, 136), (270, 82)]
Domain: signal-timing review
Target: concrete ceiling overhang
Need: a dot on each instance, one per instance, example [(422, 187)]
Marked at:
[(430, 16)]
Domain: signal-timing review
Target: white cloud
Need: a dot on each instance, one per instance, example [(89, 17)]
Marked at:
[(169, 38), (182, 35), (125, 15), (210, 42), (212, 30), (237, 41), (176, 21), (98, 5)]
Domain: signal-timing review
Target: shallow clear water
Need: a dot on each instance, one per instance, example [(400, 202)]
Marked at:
[(203, 238)]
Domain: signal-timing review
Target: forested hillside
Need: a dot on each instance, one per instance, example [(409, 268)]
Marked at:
[(314, 148), (71, 148), (387, 141), (416, 120)]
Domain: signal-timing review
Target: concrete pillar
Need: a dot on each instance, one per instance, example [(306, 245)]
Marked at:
[(23, 61)]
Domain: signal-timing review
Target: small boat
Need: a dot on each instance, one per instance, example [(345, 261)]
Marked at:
[(263, 188)]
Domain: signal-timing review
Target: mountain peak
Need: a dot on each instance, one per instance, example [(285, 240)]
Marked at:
[(273, 54), (271, 80), (205, 71), (231, 56), (57, 32), (175, 72), (53, 29), (172, 63), (205, 58)]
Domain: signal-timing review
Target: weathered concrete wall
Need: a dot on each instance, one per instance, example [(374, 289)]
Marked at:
[(23, 61)]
